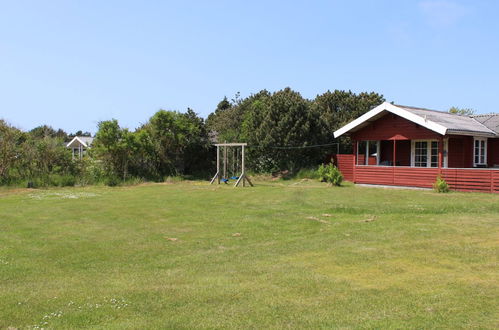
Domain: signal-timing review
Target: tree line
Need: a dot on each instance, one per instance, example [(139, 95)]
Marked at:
[(284, 131)]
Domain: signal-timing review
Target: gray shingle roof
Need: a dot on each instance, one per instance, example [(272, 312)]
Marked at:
[(490, 120), (456, 124), (87, 139)]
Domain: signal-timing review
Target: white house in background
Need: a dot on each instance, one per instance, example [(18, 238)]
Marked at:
[(79, 145)]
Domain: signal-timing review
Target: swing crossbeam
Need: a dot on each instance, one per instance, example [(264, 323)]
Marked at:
[(221, 175)]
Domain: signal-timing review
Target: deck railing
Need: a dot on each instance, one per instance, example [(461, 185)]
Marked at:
[(463, 179)]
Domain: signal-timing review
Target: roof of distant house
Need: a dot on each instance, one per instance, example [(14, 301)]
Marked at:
[(85, 141)]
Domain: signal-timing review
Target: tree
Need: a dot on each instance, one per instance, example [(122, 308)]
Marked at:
[(176, 136), (114, 146), (338, 108), (9, 149), (462, 111), (42, 131), (80, 133), (274, 122)]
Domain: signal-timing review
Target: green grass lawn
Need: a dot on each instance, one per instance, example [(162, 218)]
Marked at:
[(293, 254)]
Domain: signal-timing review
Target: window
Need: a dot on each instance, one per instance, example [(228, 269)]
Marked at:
[(434, 154), (425, 153), (367, 152), (421, 154), (480, 152)]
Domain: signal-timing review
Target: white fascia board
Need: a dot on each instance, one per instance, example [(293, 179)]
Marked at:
[(77, 139), (70, 142), (385, 106)]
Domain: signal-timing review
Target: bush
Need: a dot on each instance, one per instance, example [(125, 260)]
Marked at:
[(89, 171), (59, 180), (330, 174), (307, 173), (112, 181), (441, 185)]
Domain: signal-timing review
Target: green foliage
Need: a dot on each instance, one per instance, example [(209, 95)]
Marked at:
[(462, 111), (338, 108), (113, 145), (441, 185), (170, 143), (330, 174), (307, 173), (173, 179), (47, 131), (10, 140), (279, 128), (268, 121)]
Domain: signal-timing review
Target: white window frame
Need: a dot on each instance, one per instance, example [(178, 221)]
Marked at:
[(481, 139), (428, 152), (369, 144)]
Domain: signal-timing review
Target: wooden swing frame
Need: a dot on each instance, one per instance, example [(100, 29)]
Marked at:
[(243, 178)]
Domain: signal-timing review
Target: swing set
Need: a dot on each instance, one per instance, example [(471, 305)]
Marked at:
[(227, 173)]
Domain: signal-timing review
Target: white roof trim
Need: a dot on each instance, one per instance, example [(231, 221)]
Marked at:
[(385, 106), (77, 139)]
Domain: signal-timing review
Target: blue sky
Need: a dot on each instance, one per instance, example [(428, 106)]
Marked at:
[(70, 64)]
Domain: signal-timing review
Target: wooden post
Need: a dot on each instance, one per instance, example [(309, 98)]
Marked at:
[(394, 152), (366, 161), (440, 155), (225, 162), (378, 150), (394, 159), (218, 164), (242, 165), (355, 150)]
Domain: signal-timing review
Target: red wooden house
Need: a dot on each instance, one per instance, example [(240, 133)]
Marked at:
[(408, 146)]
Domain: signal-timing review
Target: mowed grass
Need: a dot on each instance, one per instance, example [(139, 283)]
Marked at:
[(292, 254)]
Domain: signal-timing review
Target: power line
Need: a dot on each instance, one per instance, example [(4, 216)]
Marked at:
[(295, 147)]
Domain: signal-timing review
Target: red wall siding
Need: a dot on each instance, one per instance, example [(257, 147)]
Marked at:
[(460, 153), (393, 127), (362, 158), (481, 180), (493, 152), (396, 176), (345, 165)]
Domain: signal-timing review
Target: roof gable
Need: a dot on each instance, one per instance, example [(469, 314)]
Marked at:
[(85, 141), (380, 111), (437, 121)]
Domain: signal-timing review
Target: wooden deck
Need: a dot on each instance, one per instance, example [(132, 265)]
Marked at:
[(463, 179)]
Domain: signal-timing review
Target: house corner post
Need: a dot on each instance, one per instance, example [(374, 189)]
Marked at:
[(394, 160), (354, 151), (440, 154)]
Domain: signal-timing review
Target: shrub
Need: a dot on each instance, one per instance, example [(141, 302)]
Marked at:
[(60, 180), (112, 181), (441, 185), (330, 174), (307, 173)]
